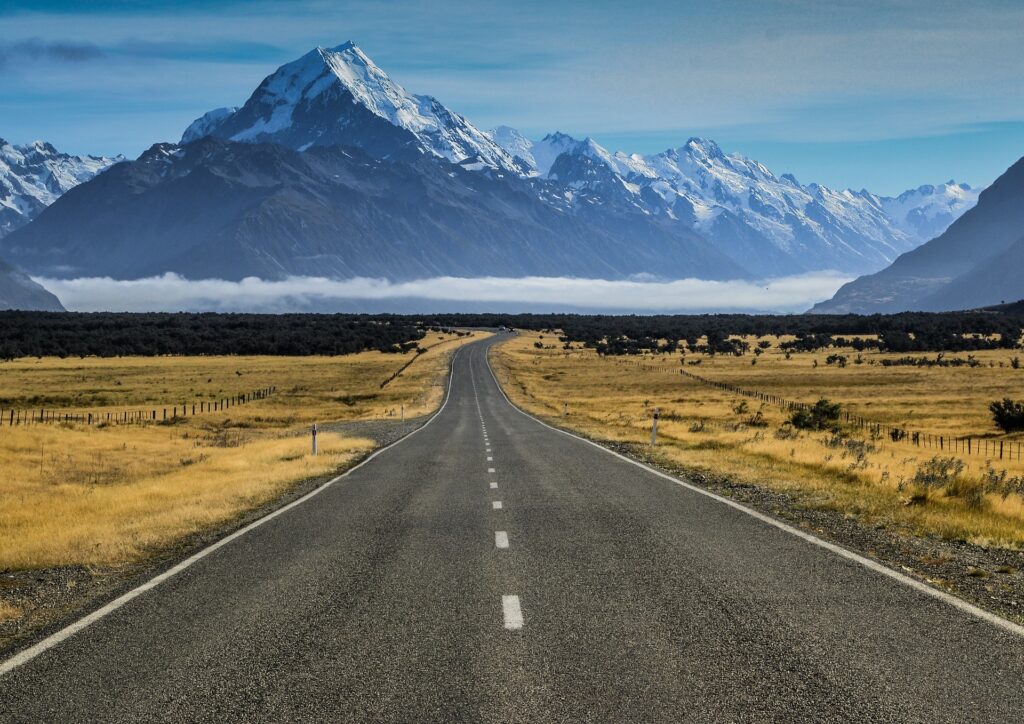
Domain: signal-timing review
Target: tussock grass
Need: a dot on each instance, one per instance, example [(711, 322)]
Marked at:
[(8, 612), (870, 478), (111, 495)]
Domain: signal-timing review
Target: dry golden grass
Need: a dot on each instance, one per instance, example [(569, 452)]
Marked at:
[(701, 429), (108, 495), (8, 612)]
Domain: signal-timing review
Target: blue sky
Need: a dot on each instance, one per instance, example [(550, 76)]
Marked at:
[(868, 94)]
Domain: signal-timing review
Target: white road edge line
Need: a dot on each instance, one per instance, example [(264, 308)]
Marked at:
[(26, 655), (948, 598), (496, 504), (500, 539), (511, 612)]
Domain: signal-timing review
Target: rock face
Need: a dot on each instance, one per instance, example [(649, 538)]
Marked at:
[(33, 176), (976, 262), (17, 291)]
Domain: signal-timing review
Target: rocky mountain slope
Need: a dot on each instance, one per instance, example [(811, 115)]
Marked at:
[(17, 291), (229, 210), (977, 261)]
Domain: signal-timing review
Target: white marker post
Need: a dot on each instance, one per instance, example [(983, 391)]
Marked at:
[(654, 426), (403, 412), (565, 409), (314, 439)]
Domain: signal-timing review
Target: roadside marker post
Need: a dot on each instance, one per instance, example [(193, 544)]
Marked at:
[(565, 409), (314, 439), (403, 412), (654, 426)]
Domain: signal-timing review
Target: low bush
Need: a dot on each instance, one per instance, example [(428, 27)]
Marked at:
[(1008, 415), (822, 415)]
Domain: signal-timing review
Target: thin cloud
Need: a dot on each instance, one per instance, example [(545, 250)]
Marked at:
[(59, 51), (171, 292)]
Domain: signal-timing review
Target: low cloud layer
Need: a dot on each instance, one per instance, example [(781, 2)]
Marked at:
[(171, 292)]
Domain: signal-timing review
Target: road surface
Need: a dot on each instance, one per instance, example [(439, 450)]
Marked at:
[(489, 568)]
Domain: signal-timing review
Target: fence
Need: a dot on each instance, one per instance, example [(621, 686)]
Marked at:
[(43, 416), (1003, 449), (967, 445)]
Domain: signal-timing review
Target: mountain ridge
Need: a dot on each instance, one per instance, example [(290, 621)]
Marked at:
[(961, 266), (692, 211)]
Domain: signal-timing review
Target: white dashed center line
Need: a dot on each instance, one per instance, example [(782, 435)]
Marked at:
[(512, 612), (494, 486), (490, 470), (490, 459), (496, 505), (501, 539)]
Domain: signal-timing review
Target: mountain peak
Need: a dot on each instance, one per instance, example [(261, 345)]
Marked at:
[(703, 147), (339, 96)]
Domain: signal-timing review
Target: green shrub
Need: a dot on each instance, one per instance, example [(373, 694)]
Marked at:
[(1008, 415), (822, 415)]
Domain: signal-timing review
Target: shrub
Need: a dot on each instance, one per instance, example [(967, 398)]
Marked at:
[(1008, 415), (786, 432), (938, 473), (822, 415)]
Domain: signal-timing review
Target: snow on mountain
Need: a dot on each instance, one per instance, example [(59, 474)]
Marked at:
[(516, 144), (927, 211), (741, 206), (202, 126), (34, 175), (338, 96)]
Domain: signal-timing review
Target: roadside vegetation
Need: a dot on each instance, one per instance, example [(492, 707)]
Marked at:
[(811, 453), (107, 495)]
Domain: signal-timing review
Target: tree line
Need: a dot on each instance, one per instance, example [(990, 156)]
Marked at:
[(65, 334), (31, 334)]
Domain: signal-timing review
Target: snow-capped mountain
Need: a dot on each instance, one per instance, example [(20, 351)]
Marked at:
[(34, 175), (333, 168), (773, 223), (206, 123), (338, 96), (927, 211)]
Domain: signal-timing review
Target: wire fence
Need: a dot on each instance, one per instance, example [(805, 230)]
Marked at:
[(43, 416), (967, 445)]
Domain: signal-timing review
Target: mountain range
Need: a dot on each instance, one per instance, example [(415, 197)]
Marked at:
[(34, 175), (331, 168), (976, 262)]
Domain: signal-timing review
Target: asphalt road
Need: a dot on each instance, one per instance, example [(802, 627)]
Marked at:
[(598, 591)]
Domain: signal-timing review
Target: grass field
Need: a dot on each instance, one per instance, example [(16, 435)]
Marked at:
[(108, 495), (865, 476)]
